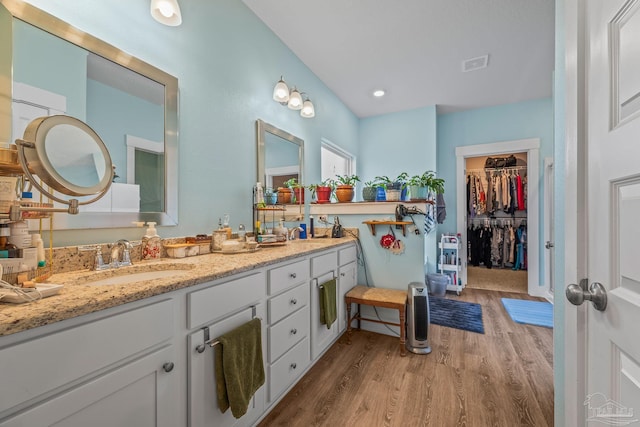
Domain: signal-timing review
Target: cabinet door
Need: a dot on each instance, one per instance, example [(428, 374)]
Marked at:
[(203, 404), (321, 337), (140, 393), (346, 280)]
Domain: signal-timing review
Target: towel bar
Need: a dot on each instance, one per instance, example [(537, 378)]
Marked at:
[(211, 342), (333, 273)]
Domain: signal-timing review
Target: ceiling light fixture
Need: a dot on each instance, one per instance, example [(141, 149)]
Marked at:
[(378, 93), (166, 12), (292, 98)]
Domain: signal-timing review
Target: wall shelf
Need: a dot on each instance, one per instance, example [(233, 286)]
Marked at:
[(373, 224)]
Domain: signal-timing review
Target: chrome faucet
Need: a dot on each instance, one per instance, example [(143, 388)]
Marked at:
[(292, 235), (120, 259)]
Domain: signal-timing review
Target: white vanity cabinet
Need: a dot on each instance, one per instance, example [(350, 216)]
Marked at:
[(288, 352), (324, 267), (106, 371), (213, 311), (347, 279)]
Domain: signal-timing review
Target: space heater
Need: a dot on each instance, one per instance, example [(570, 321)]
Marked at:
[(418, 319)]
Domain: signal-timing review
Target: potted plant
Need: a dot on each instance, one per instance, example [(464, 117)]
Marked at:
[(344, 189), (370, 190), (401, 183), (322, 191), (383, 184), (421, 184), (298, 189)]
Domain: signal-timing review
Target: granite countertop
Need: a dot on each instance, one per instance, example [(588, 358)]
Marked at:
[(78, 297)]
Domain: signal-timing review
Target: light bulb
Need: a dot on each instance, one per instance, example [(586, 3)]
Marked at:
[(307, 109), (165, 8), (295, 100), (281, 92), (378, 93)]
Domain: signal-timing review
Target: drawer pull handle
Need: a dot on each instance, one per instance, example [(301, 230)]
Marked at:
[(293, 365), (294, 331), (293, 301), (168, 367), (292, 275)]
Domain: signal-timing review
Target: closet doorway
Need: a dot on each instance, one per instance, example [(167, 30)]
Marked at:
[(528, 150)]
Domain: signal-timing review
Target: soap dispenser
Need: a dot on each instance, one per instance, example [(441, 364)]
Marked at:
[(151, 245)]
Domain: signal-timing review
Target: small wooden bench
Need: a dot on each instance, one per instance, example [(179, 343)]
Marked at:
[(377, 297)]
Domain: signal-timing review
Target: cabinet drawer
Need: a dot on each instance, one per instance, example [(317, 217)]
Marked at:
[(35, 367), (324, 263), (218, 301), (288, 302), (286, 333), (288, 368), (286, 276), (347, 255)]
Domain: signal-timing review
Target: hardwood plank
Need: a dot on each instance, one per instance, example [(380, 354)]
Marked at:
[(501, 378)]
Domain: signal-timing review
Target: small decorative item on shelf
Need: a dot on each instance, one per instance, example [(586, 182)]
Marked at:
[(298, 190), (270, 196), (323, 191), (285, 195), (344, 189), (370, 190), (401, 183)]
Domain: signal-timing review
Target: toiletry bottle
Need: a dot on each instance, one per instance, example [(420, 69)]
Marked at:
[(36, 241), (151, 245), (226, 226), (259, 195), (312, 231)]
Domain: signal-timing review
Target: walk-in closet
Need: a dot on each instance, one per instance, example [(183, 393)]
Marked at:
[(496, 217)]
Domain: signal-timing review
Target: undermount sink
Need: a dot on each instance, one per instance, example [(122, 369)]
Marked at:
[(136, 273), (138, 277)]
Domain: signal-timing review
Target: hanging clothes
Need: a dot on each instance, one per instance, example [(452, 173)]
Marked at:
[(497, 245)]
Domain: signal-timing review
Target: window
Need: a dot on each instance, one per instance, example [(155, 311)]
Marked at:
[(335, 161)]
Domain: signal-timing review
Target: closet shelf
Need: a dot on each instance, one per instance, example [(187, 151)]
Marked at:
[(372, 225)]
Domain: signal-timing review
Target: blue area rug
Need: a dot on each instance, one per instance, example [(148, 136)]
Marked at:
[(538, 313), (456, 314)]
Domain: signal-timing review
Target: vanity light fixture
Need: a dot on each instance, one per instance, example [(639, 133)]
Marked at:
[(292, 98), (295, 100), (166, 12), (307, 109)]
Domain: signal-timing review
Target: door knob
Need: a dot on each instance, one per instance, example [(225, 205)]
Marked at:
[(549, 244), (597, 294), (168, 367)]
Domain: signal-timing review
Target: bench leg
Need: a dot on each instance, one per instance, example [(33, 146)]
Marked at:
[(403, 334), (348, 304)]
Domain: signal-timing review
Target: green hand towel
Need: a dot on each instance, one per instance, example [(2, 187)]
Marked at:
[(239, 367), (328, 310)]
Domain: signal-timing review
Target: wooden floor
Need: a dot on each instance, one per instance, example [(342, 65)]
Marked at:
[(501, 378)]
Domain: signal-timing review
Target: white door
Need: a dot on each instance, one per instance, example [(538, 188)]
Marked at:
[(612, 139)]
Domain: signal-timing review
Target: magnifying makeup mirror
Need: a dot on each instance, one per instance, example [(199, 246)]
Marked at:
[(68, 156)]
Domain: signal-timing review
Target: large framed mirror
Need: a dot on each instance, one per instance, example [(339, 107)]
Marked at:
[(55, 68), (280, 155)]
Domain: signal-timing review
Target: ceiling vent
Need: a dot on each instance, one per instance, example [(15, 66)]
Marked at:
[(475, 63)]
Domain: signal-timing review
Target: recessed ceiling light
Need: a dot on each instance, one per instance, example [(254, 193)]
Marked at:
[(378, 93)]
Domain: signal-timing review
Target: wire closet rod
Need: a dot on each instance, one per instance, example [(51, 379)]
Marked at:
[(506, 168)]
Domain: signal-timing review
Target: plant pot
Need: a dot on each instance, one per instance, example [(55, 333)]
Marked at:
[(299, 193), (344, 193), (369, 194), (381, 194), (392, 195), (323, 194), (271, 198), (285, 195), (418, 192)]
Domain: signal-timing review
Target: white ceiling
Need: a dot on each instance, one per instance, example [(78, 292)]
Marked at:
[(414, 49)]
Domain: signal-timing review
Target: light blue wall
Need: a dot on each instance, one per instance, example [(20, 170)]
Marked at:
[(389, 145), (531, 119), (113, 114), (38, 56), (227, 63)]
